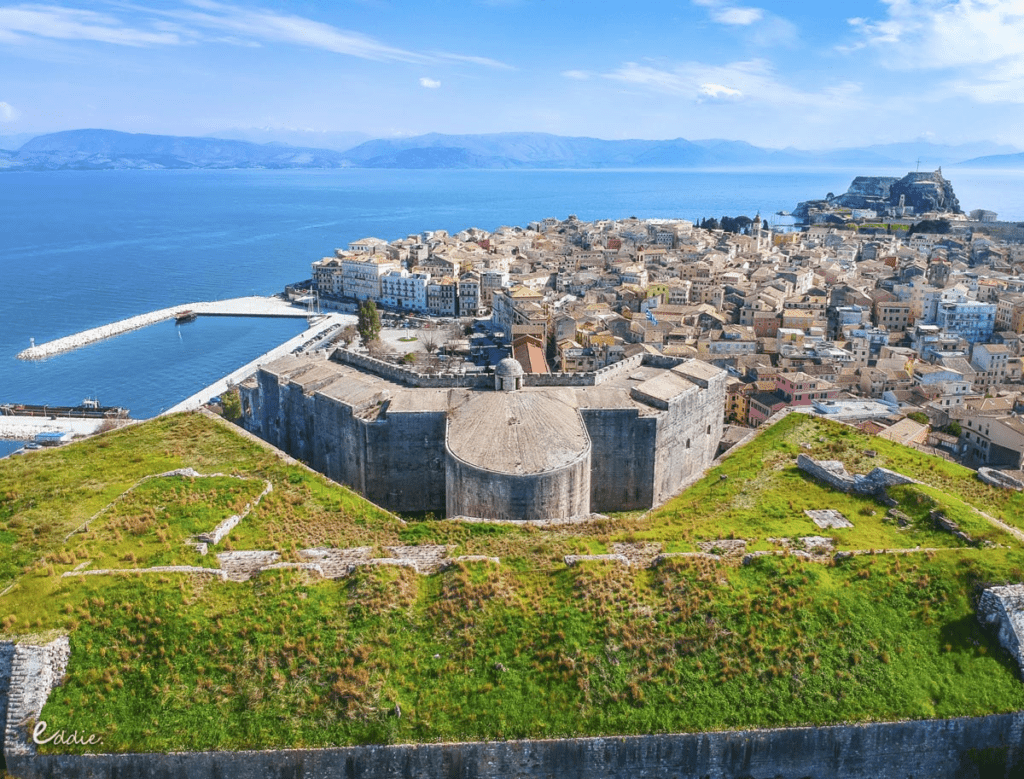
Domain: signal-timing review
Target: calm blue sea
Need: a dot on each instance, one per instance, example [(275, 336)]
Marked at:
[(80, 249)]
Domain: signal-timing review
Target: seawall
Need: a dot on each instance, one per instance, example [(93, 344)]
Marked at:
[(969, 748), (247, 306)]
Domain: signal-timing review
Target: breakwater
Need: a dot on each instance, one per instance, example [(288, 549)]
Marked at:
[(927, 749), (247, 306)]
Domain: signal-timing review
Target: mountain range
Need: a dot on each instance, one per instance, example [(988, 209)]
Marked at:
[(109, 149)]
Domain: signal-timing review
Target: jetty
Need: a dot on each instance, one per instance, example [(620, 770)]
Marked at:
[(246, 306), (26, 428)]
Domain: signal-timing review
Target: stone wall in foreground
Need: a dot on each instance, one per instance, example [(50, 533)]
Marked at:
[(1002, 609), (28, 672), (970, 748)]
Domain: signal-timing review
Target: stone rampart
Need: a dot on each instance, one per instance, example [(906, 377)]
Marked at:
[(1002, 608), (35, 669), (403, 375), (937, 749)]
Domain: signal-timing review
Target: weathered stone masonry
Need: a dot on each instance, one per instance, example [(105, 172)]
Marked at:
[(28, 672), (417, 443), (930, 749)]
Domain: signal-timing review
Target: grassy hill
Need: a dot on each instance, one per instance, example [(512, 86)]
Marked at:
[(527, 647)]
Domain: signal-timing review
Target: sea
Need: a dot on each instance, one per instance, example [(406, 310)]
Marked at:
[(79, 249)]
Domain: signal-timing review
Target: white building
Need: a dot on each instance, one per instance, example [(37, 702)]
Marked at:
[(403, 290)]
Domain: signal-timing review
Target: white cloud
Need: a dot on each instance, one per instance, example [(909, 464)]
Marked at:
[(21, 23), (981, 40), (716, 91), (739, 16), (752, 81), (926, 34), (723, 13), (208, 21), (487, 62), (8, 113), (576, 75), (287, 28), (429, 83)]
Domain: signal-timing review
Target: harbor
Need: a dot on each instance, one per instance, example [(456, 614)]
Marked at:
[(57, 424), (308, 340), (257, 306)]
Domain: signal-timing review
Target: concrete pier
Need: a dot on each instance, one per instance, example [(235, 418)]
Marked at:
[(247, 306), (27, 428)]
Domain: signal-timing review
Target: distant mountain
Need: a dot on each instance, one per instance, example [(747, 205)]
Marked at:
[(1008, 161), (931, 156), (540, 150), (308, 139), (108, 149)]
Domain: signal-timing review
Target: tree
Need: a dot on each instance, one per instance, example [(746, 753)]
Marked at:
[(940, 226), (430, 341), (368, 323), (348, 335), (231, 405)]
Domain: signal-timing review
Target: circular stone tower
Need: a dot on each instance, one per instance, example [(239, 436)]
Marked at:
[(519, 455)]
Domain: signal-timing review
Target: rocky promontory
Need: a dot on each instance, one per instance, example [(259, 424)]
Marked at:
[(913, 195)]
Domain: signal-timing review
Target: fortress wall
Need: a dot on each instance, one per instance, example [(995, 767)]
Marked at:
[(688, 436), (297, 428), (263, 419), (475, 492), (968, 748), (402, 375), (405, 461), (395, 461), (623, 454), (340, 451), (558, 380)]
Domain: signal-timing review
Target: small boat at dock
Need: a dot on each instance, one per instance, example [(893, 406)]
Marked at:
[(183, 317)]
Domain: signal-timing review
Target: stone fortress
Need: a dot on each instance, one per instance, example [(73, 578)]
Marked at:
[(915, 194), (510, 446)]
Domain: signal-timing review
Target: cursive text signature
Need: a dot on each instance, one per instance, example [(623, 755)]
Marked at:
[(63, 737)]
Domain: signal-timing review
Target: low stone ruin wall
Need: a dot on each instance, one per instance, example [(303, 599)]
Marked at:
[(999, 479), (28, 672), (834, 473), (1002, 609)]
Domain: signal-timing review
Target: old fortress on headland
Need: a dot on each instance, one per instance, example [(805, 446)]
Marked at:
[(631, 341)]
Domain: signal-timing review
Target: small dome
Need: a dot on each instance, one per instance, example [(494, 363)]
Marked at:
[(508, 368)]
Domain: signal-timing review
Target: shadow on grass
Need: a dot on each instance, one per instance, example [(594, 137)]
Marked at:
[(967, 636)]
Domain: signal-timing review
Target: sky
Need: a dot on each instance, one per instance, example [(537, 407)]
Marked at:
[(776, 74)]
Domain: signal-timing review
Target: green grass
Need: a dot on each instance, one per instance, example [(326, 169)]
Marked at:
[(527, 648)]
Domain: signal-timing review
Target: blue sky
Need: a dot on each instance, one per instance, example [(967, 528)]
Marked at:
[(810, 75)]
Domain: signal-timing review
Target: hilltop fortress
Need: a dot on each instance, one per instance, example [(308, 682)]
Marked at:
[(916, 194), (503, 446)]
